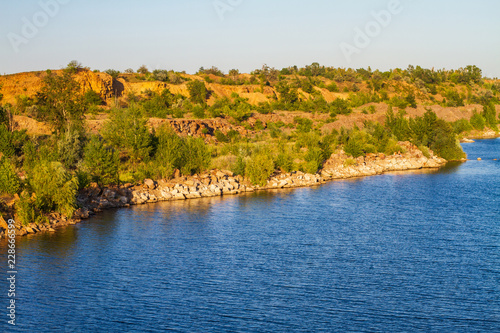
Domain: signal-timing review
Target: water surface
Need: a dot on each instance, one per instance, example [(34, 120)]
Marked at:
[(391, 253)]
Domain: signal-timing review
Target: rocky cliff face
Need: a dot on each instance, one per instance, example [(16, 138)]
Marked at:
[(28, 84)]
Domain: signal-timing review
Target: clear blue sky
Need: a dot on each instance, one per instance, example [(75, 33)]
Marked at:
[(188, 34)]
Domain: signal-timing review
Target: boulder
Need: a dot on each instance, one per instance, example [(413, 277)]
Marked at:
[(149, 183)]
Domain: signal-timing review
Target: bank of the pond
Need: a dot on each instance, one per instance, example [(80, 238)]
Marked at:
[(219, 183)]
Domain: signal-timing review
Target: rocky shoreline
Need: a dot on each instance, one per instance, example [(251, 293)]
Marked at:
[(219, 183)]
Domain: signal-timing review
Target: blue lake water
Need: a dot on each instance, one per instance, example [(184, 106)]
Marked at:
[(399, 252)]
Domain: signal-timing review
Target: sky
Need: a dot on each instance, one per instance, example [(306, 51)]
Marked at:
[(246, 34)]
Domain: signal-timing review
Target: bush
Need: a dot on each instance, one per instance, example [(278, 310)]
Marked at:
[(113, 72), (127, 129), (197, 91), (99, 162), (91, 98), (197, 156), (170, 150), (461, 126), (190, 155), (354, 147), (332, 87), (259, 168), (284, 161), (9, 181), (340, 106), (199, 112), (444, 142), (477, 121), (240, 166), (314, 160), (55, 189), (25, 209), (70, 149), (6, 146)]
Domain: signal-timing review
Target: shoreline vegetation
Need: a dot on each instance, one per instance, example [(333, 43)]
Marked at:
[(74, 142)]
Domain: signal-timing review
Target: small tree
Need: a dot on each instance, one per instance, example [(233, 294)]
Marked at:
[(9, 181), (143, 70), (54, 188), (197, 91), (127, 129), (170, 150), (73, 66), (100, 161), (113, 72), (70, 148), (61, 101), (259, 168), (197, 156)]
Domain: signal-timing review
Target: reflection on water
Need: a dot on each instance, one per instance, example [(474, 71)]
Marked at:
[(394, 252)]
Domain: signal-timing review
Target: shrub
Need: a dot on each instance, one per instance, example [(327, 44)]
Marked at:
[(259, 168), (91, 98), (197, 91), (444, 142), (169, 152), (100, 162), (55, 189), (349, 162), (197, 156), (340, 106), (461, 126), (240, 166), (304, 125), (354, 147), (6, 146), (127, 129), (25, 209), (9, 181), (425, 151), (332, 87), (489, 114), (477, 121), (199, 112), (70, 149), (314, 159), (113, 72)]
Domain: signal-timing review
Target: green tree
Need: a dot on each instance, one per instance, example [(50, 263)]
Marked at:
[(197, 156), (100, 161), (143, 70), (477, 121), (61, 102), (91, 98), (490, 115), (288, 95), (259, 168), (70, 148), (127, 129), (55, 188), (170, 151), (9, 181), (113, 72), (197, 91), (73, 66)]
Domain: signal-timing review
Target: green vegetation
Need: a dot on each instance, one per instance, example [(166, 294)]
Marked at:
[(47, 171)]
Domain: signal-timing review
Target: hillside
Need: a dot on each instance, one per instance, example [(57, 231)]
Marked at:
[(377, 89)]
